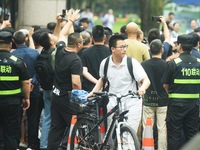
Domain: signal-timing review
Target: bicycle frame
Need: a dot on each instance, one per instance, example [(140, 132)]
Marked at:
[(113, 126), (100, 121)]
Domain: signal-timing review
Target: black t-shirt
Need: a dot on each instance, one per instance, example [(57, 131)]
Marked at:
[(80, 53), (91, 58), (66, 64), (156, 95)]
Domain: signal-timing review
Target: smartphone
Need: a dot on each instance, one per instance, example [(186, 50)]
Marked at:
[(156, 18), (63, 13), (6, 17)]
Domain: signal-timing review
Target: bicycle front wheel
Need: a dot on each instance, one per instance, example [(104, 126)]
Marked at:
[(81, 128), (129, 139)]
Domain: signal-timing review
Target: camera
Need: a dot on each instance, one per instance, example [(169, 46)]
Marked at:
[(156, 18), (6, 17), (63, 13)]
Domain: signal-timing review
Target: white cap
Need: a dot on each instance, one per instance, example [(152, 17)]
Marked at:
[(25, 31)]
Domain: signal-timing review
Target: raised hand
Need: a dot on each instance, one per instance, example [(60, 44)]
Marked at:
[(59, 17), (162, 19), (73, 14), (30, 32)]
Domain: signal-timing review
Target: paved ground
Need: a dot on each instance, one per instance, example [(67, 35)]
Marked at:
[(21, 148)]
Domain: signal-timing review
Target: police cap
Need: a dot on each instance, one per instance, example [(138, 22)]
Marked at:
[(185, 39), (5, 37)]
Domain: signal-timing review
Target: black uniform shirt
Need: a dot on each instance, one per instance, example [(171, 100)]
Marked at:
[(12, 72), (171, 74)]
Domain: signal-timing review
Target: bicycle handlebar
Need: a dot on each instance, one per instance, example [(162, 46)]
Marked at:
[(116, 95)]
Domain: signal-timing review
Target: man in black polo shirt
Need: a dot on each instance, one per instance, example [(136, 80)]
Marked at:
[(182, 82), (14, 83), (68, 69)]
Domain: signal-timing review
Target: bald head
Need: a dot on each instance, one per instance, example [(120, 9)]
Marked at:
[(132, 28)]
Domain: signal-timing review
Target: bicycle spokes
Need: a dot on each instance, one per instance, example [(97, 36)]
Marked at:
[(127, 142)]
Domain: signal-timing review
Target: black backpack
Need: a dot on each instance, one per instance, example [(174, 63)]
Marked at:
[(105, 79), (44, 69)]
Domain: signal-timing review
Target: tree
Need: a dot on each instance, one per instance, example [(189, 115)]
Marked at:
[(149, 8), (102, 6)]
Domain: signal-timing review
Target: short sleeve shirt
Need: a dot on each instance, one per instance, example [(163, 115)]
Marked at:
[(168, 75), (66, 64), (91, 58), (119, 77)]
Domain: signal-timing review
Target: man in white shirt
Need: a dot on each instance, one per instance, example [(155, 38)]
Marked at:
[(120, 80)]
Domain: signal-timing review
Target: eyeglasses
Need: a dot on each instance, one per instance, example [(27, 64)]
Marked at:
[(123, 47)]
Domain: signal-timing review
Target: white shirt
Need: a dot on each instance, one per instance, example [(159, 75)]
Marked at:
[(121, 80), (109, 20)]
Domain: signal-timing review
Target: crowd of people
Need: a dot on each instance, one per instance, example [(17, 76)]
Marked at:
[(165, 66)]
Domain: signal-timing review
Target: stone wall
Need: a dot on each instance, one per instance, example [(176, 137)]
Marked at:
[(38, 12)]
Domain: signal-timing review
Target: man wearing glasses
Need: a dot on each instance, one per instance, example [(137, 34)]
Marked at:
[(120, 80)]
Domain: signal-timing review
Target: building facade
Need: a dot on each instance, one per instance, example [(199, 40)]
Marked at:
[(25, 13)]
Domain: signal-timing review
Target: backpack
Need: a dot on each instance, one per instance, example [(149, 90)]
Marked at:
[(45, 69), (105, 79)]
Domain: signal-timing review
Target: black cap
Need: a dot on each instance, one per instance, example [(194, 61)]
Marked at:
[(5, 37), (185, 39), (84, 20)]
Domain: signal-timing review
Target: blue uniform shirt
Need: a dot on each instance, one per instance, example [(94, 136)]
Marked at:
[(29, 56)]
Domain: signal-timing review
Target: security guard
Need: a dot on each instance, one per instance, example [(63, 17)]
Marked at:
[(14, 81), (182, 82)]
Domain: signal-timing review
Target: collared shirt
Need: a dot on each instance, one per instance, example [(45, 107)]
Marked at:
[(29, 56), (167, 47), (195, 53), (120, 79)]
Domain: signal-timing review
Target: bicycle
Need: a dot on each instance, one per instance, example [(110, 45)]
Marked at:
[(85, 133)]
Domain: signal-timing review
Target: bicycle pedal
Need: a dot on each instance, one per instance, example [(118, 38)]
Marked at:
[(106, 147)]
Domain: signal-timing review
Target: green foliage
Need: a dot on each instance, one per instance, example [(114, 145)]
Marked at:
[(144, 8), (118, 24), (134, 18)]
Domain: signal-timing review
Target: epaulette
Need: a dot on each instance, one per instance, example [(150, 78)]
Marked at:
[(13, 58)]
